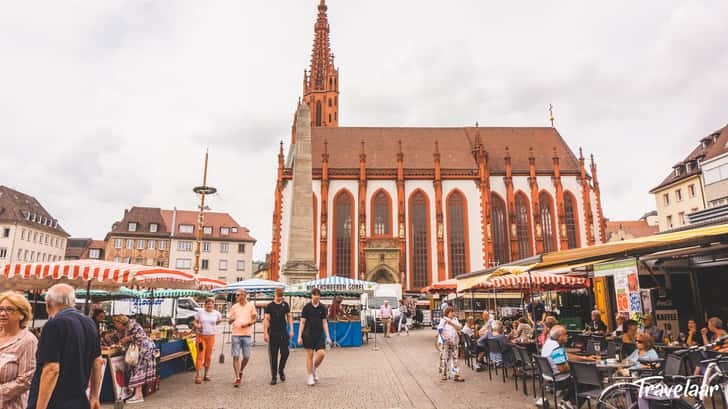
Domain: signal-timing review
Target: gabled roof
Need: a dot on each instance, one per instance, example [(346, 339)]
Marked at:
[(700, 152), (143, 217), (212, 219), (18, 207), (455, 146), (634, 228)]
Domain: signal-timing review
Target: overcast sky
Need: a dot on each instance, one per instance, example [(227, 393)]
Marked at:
[(109, 104)]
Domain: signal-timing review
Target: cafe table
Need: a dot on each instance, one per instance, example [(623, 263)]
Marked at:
[(609, 366)]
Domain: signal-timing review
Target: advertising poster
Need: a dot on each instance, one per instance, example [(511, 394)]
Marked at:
[(118, 376), (626, 285)]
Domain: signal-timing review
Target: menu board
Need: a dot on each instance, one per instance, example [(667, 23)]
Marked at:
[(626, 285)]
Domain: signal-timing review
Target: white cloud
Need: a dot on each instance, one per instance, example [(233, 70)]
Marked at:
[(111, 104)]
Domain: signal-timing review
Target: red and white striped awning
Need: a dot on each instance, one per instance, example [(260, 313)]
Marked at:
[(103, 275), (538, 280), (207, 283)]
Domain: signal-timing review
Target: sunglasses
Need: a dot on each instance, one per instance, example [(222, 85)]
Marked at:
[(639, 341), (8, 309)]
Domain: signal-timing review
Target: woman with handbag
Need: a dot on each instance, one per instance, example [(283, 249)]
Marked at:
[(140, 351)]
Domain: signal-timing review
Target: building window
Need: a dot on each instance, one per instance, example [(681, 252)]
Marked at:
[(184, 246), (127, 260), (118, 243), (35, 237), (241, 247), (546, 217), (183, 263), (132, 226), (457, 234), (678, 195), (162, 245), (94, 254), (205, 246), (141, 244), (150, 244), (25, 255), (139, 261), (204, 264), (22, 234), (207, 230), (419, 240), (224, 247), (6, 232), (129, 243), (669, 222), (666, 199), (691, 191), (681, 218), (234, 229), (224, 231), (572, 237), (318, 113), (523, 227), (186, 228), (343, 234), (240, 265), (499, 226), (117, 259), (161, 262), (223, 265), (153, 227), (3, 252), (381, 214)]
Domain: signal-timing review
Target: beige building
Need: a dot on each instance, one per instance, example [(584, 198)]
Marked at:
[(226, 248), (141, 237), (697, 182), (28, 233)]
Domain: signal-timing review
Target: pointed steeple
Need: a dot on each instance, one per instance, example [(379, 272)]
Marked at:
[(321, 82)]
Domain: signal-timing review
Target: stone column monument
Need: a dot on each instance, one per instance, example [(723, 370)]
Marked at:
[(300, 265)]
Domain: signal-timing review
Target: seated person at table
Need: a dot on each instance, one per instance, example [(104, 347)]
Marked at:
[(469, 328), (713, 332), (652, 329), (129, 332), (645, 351), (548, 324), (512, 335), (524, 332), (629, 339), (619, 320), (596, 326), (507, 357), (482, 342), (554, 349), (694, 336)]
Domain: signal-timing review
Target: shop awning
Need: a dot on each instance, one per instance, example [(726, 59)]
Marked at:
[(445, 286), (537, 279), (207, 283), (636, 247), (78, 273)]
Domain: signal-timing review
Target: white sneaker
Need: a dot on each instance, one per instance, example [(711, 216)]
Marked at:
[(539, 402), (311, 381), (315, 375)]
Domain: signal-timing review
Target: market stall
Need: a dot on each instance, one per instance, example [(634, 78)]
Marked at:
[(345, 331)]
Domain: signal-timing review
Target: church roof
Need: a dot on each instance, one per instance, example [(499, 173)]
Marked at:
[(455, 145)]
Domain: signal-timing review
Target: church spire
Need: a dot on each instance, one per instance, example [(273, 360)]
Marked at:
[(321, 82)]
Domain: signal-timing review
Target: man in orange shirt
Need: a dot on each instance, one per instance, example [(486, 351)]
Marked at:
[(242, 318)]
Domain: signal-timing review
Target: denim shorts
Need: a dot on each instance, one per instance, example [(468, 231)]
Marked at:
[(241, 344)]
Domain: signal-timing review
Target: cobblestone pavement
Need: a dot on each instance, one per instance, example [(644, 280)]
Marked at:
[(401, 374)]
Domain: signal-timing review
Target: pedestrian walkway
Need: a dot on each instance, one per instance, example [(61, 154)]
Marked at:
[(402, 374)]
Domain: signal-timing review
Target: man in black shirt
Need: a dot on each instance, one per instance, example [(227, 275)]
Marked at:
[(277, 314), (68, 358), (310, 333)]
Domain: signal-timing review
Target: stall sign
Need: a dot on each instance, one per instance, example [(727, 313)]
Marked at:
[(669, 321), (626, 285)]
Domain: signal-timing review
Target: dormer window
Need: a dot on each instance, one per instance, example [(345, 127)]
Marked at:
[(207, 230), (186, 228), (153, 227), (132, 226), (224, 231), (234, 229)]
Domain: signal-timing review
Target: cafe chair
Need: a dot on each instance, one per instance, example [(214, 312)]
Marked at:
[(549, 381), (526, 368), (469, 352), (627, 349), (591, 346), (495, 347), (587, 382), (611, 350)]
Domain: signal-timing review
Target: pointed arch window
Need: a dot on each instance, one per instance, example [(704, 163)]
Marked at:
[(457, 229), (318, 113), (570, 221), (523, 229), (343, 234), (381, 214), (419, 240), (499, 230), (546, 217)]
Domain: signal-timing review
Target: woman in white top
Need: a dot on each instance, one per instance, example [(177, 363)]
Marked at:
[(205, 325), (448, 331)]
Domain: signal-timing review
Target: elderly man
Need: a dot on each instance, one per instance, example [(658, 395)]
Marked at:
[(596, 325), (482, 343), (506, 358), (554, 349), (650, 328), (619, 329), (68, 357), (385, 314)]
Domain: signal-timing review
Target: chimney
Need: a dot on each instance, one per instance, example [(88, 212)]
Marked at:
[(173, 228)]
